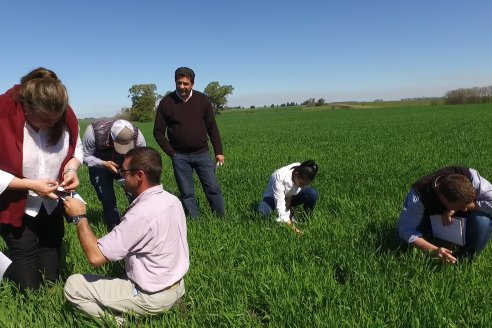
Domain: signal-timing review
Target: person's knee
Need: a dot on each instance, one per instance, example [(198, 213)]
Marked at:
[(263, 208), (71, 286), (312, 195)]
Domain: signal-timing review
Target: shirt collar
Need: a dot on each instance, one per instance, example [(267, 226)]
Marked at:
[(185, 100)]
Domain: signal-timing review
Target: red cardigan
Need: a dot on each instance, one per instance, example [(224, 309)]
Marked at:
[(12, 121)]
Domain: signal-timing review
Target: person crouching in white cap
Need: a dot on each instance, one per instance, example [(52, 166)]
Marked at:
[(106, 142)]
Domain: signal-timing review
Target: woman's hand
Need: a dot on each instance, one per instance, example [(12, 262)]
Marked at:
[(291, 225), (44, 188), (447, 217), (444, 255), (70, 180)]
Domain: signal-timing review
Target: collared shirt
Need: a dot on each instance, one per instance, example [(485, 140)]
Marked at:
[(41, 161), (89, 143), (152, 239), (281, 186), (185, 100), (413, 209)]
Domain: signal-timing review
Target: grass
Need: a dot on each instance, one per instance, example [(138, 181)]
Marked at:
[(348, 269)]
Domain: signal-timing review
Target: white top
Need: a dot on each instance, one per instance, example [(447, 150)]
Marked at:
[(41, 161), (152, 238), (281, 186)]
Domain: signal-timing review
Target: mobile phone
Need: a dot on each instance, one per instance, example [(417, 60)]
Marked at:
[(62, 193)]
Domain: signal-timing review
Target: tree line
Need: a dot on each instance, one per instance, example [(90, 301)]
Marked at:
[(145, 98), (477, 95)]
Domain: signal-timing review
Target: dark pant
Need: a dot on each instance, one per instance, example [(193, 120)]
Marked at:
[(477, 233), (102, 181), (306, 197), (183, 165), (35, 248)]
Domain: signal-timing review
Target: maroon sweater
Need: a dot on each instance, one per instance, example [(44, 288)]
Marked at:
[(12, 120), (187, 125)]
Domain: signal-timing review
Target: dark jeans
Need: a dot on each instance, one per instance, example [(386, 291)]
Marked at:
[(102, 181), (477, 234), (183, 165), (306, 197), (35, 248)]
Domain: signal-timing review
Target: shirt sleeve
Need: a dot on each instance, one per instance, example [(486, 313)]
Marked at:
[(89, 148), (410, 218), (212, 128), (79, 149), (279, 197), (5, 179), (484, 191), (140, 139), (160, 127)]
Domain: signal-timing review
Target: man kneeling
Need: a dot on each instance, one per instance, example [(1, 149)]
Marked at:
[(151, 238)]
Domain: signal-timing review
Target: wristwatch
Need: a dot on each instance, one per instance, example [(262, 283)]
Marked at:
[(76, 219)]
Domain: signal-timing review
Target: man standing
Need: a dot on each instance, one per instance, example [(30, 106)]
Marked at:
[(187, 117), (450, 191), (151, 238), (105, 144)]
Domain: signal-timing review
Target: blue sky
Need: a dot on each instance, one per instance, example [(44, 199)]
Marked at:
[(269, 51)]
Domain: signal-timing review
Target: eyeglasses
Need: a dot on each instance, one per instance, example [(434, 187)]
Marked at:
[(124, 173)]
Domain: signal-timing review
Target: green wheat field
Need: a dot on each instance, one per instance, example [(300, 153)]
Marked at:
[(348, 270)]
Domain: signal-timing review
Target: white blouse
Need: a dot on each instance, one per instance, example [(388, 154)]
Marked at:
[(41, 161)]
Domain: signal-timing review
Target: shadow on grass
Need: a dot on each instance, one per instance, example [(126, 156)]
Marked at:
[(384, 238)]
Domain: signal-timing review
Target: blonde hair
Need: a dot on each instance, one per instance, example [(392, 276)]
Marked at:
[(42, 93)]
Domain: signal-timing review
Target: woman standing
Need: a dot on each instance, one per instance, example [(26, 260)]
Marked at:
[(41, 151), (287, 188)]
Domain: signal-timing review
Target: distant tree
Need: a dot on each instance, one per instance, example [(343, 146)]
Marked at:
[(309, 102), (218, 94), (253, 107), (320, 102), (144, 98), (272, 105), (168, 92), (124, 114)]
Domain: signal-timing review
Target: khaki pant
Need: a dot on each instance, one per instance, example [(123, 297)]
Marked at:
[(96, 294)]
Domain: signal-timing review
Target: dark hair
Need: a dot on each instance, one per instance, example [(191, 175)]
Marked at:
[(147, 160), (42, 93), (185, 72), (307, 170), (456, 187)]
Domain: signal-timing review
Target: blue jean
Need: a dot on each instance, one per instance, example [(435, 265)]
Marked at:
[(183, 165), (102, 181), (477, 234), (306, 197)]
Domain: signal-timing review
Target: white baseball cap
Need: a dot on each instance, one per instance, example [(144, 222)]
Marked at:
[(122, 135)]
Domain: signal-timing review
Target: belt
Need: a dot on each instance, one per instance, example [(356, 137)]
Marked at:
[(173, 286)]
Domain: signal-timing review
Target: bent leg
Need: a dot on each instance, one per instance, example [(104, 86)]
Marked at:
[(96, 295), (266, 206), (23, 250), (307, 197), (478, 229), (50, 230)]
